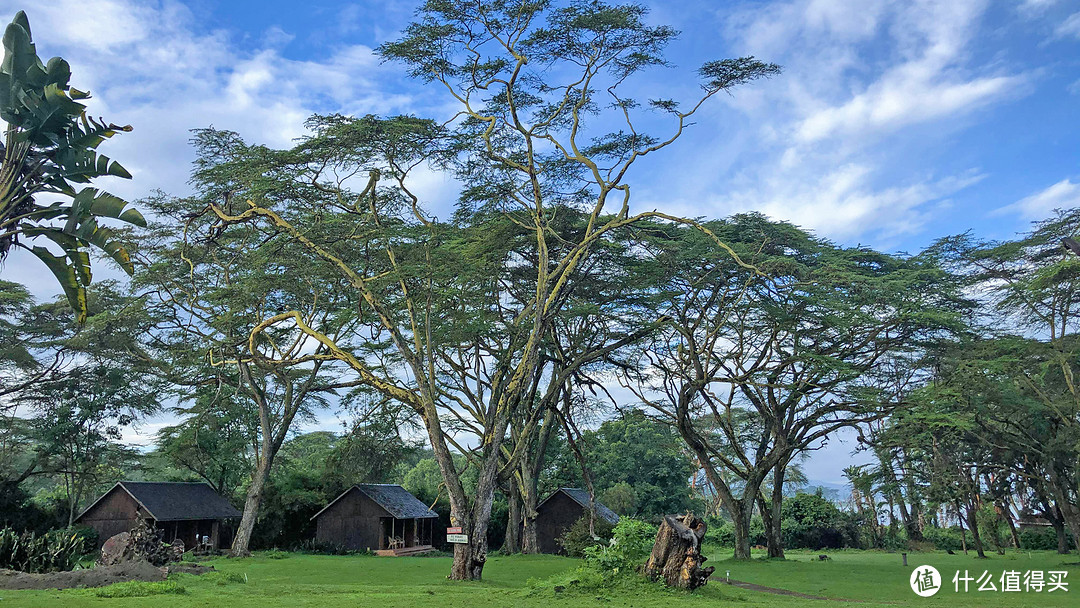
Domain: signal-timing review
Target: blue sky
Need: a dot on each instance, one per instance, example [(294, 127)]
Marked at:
[(894, 123)]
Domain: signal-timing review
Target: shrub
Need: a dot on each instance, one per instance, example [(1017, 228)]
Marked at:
[(273, 554), (724, 533), (631, 542), (813, 522), (607, 566), (318, 547), (895, 541), (49, 552), (1038, 539), (944, 539), (139, 589), (226, 578), (88, 535), (577, 538)]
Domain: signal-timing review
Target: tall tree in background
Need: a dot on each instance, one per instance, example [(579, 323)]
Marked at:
[(790, 357), (108, 381), (1032, 315), (527, 78), (209, 286)]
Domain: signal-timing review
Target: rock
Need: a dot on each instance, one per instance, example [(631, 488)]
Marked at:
[(116, 549)]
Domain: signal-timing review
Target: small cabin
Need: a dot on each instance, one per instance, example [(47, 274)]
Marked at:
[(1028, 520), (558, 512), (383, 518), (190, 512)]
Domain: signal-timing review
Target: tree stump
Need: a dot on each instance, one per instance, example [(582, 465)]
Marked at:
[(676, 556)]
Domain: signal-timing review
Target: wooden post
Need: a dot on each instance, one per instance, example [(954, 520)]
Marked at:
[(905, 558)]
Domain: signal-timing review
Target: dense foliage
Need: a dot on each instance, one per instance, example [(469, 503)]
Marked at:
[(49, 552)]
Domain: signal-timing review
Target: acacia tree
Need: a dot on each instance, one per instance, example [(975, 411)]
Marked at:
[(1029, 286), (527, 78), (208, 286), (216, 438), (754, 371), (71, 417)]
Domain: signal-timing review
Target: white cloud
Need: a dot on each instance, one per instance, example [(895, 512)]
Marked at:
[(1035, 7), (864, 91), (925, 83), (900, 99), (1062, 195), (1069, 27), (847, 202), (151, 65)]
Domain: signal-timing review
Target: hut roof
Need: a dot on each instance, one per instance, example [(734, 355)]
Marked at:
[(581, 497), (175, 501), (397, 501)]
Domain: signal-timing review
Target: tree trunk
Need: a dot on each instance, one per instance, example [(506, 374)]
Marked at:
[(740, 518), (1070, 513), (470, 557), (530, 495), (676, 556), (530, 543), (1062, 540), (1007, 516), (973, 524), (913, 515), (963, 530), (251, 508), (512, 543), (773, 534)]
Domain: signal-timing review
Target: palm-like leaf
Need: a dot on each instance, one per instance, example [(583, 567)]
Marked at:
[(50, 147)]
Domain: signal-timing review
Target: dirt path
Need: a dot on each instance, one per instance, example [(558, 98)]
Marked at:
[(132, 570), (763, 589)]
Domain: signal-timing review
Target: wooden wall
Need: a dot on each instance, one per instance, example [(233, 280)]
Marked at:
[(352, 522), (553, 518), (115, 513)]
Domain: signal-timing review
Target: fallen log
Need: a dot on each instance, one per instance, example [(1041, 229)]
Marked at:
[(676, 556)]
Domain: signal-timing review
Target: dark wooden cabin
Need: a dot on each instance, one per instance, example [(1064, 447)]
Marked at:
[(384, 518), (185, 511), (558, 512)]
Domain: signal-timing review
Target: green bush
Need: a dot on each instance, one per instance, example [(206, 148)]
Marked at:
[(50, 552), (607, 567), (724, 533), (577, 538), (226, 578), (88, 535), (139, 589), (318, 547), (631, 542), (1039, 539), (813, 522), (944, 539)]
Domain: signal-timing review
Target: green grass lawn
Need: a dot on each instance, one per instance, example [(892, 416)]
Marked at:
[(879, 579)]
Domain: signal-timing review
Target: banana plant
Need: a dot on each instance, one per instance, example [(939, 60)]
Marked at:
[(50, 152)]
